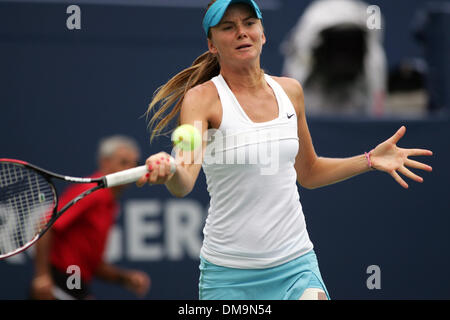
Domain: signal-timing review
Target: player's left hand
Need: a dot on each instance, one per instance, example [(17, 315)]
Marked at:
[(388, 157), (137, 282)]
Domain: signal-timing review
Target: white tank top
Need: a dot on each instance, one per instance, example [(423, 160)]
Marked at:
[(255, 218)]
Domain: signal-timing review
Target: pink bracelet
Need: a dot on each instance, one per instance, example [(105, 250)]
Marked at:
[(368, 158)]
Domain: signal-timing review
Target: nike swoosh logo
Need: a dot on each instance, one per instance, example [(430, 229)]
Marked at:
[(290, 116)]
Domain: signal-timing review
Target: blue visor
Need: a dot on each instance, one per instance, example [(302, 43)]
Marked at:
[(217, 10)]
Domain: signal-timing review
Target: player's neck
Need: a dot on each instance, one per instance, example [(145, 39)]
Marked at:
[(243, 78)]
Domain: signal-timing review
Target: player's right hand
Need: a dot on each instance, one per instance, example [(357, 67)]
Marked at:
[(41, 287), (158, 170)]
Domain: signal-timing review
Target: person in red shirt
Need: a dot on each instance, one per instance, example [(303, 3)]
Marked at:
[(76, 242)]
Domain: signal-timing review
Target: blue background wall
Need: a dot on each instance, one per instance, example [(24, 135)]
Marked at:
[(62, 90)]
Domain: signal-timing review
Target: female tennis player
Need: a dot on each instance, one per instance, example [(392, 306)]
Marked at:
[(256, 245)]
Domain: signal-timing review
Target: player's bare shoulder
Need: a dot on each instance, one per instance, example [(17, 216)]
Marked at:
[(294, 90), (201, 96), (204, 100), (290, 85)]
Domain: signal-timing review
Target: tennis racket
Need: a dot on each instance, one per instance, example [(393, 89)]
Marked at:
[(29, 201)]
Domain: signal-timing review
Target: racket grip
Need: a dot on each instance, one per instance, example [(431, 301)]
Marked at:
[(124, 177), (131, 175)]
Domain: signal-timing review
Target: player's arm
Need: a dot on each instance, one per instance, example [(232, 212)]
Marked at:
[(195, 110), (314, 171)]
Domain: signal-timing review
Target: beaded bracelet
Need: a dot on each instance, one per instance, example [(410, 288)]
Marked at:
[(368, 158)]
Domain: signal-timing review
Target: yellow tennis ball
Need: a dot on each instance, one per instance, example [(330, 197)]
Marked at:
[(186, 137)]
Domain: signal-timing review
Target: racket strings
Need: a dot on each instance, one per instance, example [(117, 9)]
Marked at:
[(27, 201)]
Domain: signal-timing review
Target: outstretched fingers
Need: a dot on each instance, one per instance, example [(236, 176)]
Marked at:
[(410, 175), (407, 173), (398, 135), (419, 152), (401, 164), (399, 180), (418, 165)]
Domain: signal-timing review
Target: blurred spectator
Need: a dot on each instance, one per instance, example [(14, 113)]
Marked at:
[(339, 61), (78, 238)]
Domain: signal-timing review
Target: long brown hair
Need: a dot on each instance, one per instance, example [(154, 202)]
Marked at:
[(205, 67)]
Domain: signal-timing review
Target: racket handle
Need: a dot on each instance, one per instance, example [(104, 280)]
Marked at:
[(131, 175)]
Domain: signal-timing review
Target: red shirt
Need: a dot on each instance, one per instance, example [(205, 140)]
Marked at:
[(80, 234)]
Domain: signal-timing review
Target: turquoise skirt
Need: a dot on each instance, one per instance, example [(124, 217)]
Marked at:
[(287, 281)]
